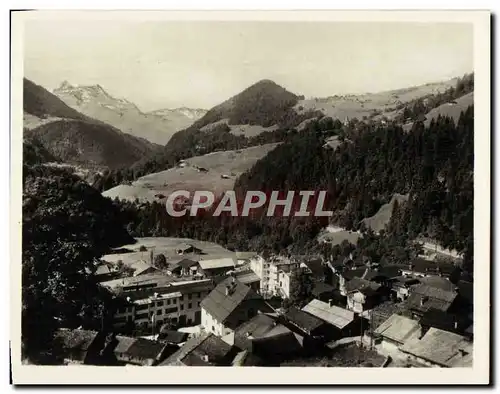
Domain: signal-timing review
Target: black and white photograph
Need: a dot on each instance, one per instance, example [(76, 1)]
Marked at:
[(266, 190)]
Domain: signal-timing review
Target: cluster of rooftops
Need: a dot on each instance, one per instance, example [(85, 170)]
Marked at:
[(426, 313)]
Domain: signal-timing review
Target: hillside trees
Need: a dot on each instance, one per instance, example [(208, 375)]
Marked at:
[(433, 165), (66, 226)]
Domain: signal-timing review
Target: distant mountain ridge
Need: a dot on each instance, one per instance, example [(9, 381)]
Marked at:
[(75, 138), (156, 126), (190, 113)]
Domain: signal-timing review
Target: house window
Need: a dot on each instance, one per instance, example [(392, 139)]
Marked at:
[(159, 303), (213, 328), (182, 307), (158, 312), (190, 296), (190, 305)]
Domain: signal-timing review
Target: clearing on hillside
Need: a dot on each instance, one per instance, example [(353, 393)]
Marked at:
[(216, 172), (371, 104), (336, 235), (381, 219)]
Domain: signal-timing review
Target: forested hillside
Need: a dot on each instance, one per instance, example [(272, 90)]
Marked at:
[(35, 153), (39, 102), (91, 144), (264, 103), (434, 165), (66, 226), (77, 139)]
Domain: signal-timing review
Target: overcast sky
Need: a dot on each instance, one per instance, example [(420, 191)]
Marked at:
[(200, 64)]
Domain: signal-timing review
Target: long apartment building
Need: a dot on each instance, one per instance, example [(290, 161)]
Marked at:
[(152, 300)]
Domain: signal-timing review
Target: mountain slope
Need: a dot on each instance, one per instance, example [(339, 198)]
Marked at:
[(265, 104), (222, 169), (373, 105), (157, 126), (261, 114), (39, 102), (75, 138), (89, 144), (35, 153), (452, 109)]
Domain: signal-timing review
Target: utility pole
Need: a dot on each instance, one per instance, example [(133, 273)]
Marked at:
[(361, 341), (371, 330)]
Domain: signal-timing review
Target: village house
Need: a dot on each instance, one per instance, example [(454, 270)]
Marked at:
[(203, 350), (307, 324), (325, 292), (139, 351), (363, 294), (267, 340), (247, 277), (105, 272), (245, 257), (342, 322), (344, 277), (421, 268), (142, 268), (276, 274), (439, 348), (172, 337), (444, 321), (343, 264), (214, 267), (396, 331), (184, 249), (184, 267), (401, 287), (79, 346), (425, 297), (315, 266), (229, 305)]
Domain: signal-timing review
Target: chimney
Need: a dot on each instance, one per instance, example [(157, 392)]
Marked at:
[(330, 302), (456, 325), (228, 290), (422, 301), (205, 358)]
